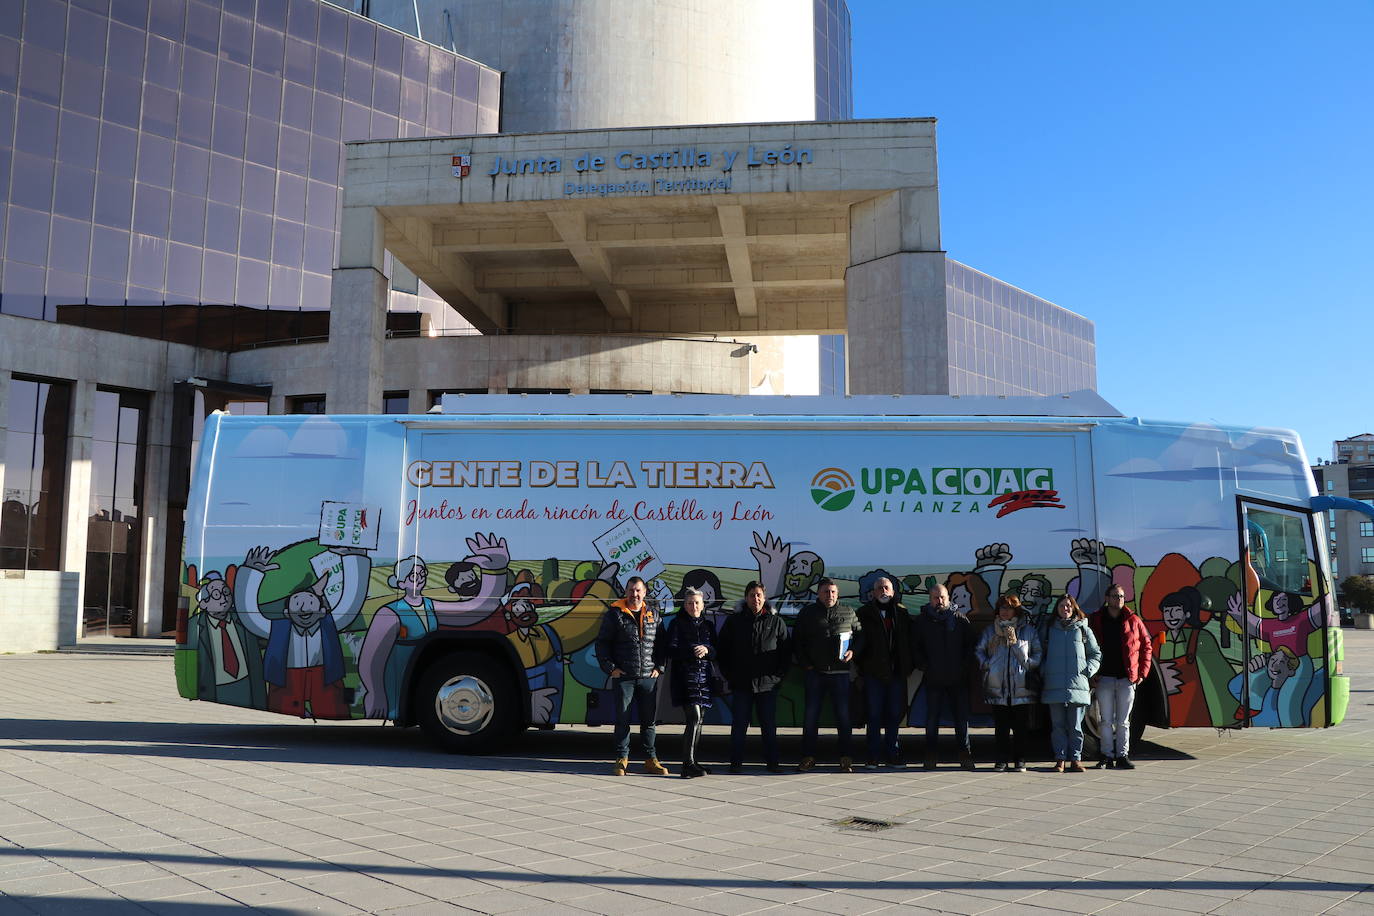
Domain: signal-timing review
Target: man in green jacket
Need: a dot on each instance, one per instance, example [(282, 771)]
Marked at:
[(823, 637)]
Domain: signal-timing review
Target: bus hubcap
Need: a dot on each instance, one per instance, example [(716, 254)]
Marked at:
[(464, 704)]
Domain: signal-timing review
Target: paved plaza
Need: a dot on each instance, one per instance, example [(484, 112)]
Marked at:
[(116, 796)]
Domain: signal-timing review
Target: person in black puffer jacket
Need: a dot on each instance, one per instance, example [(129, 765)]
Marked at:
[(882, 654), (754, 657), (943, 647), (690, 644), (625, 651), (824, 637)]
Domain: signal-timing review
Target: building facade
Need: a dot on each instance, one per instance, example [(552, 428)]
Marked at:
[(1350, 535), (171, 180)]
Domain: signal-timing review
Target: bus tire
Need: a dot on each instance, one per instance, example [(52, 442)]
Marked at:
[(465, 702)]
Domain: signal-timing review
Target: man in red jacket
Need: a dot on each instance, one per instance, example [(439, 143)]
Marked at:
[(1126, 658)]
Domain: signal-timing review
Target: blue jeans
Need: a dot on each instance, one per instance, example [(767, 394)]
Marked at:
[(642, 692), (742, 704), (886, 710), (819, 685), (1066, 730), (953, 697)]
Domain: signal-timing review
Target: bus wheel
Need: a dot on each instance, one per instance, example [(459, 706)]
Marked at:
[(465, 703)]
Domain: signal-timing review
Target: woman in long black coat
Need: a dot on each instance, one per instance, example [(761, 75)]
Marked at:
[(691, 646)]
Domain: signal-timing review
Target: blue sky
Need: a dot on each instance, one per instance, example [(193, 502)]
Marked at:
[(1193, 177)]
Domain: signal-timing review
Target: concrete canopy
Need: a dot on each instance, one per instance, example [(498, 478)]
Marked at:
[(744, 228)]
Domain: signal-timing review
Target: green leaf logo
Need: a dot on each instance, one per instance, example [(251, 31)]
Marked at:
[(832, 489)]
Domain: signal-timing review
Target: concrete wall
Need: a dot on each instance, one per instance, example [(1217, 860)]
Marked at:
[(38, 609), (612, 63)]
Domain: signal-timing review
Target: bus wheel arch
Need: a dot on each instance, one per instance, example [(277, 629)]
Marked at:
[(466, 700)]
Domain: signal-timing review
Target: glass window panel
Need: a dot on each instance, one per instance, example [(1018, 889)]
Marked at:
[(145, 296), (314, 292), (333, 28), (302, 20), (110, 254), (196, 124), (71, 245), (164, 62), (167, 18), (319, 250), (232, 89), (192, 169), (126, 52), (64, 289), (152, 207), (255, 236), (217, 279), (188, 218), (358, 81), (328, 112), (272, 13), (286, 288), (413, 101), (27, 239), (40, 75), (114, 202), (244, 8), (258, 186), (9, 65), (118, 151), (329, 72), (147, 261), (78, 138), (202, 26), (132, 12), (288, 240), (160, 111), (300, 61), (488, 120), (11, 19), (37, 131), (290, 197), (296, 105), (262, 141), (464, 116), (396, 402), (383, 126), (439, 114), (361, 37), (183, 272), (228, 135), (24, 289), (75, 192), (386, 91), (389, 51), (222, 227), (319, 204), (268, 47), (441, 68), (467, 79), (33, 182), (252, 283), (357, 122), (104, 428), (294, 154), (155, 161), (265, 99), (122, 99), (45, 24), (226, 179), (415, 60), (236, 40)]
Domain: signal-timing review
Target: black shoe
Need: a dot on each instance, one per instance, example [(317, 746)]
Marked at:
[(1019, 766), (1124, 763), (966, 760), (1104, 763), (930, 762), (691, 771), (703, 771)]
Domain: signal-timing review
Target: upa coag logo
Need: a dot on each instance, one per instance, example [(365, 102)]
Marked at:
[(832, 489)]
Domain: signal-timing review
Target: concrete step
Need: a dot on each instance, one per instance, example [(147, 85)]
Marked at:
[(115, 645)]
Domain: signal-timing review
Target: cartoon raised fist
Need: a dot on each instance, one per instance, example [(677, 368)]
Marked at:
[(488, 551), (1088, 552), (992, 555)]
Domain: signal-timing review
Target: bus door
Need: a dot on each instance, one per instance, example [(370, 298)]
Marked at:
[(1284, 617)]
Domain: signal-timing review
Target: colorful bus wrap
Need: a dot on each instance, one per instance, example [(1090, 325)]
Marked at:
[(451, 570)]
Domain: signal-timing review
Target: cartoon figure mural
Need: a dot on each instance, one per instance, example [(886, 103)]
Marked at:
[(1288, 632), (1190, 660), (303, 663), (1268, 675), (788, 578), (230, 657), (538, 646), (479, 580)]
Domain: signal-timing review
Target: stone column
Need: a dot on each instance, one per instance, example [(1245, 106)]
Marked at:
[(897, 340), (357, 315), (4, 424), (76, 524), (153, 522)]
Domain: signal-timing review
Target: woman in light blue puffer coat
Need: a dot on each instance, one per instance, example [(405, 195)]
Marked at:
[(1071, 658)]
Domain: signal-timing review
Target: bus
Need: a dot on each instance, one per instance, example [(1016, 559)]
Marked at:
[(450, 570)]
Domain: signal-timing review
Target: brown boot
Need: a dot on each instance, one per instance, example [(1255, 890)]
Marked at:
[(654, 768), (620, 766), (1059, 766), (1075, 766)]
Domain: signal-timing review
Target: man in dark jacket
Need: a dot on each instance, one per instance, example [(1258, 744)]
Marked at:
[(882, 654), (823, 637), (625, 651), (944, 652), (753, 656)]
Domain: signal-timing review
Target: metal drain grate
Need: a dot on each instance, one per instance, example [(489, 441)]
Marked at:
[(863, 823)]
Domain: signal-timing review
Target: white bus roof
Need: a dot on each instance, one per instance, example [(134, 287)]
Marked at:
[(1084, 403)]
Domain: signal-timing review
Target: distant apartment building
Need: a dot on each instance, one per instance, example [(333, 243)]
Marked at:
[(1350, 535)]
